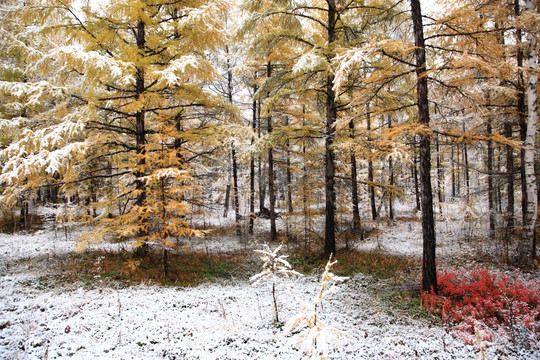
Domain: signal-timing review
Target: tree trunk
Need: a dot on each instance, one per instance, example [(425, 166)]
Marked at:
[(140, 138), (528, 244), (235, 192), (252, 169), (453, 175), (429, 273), (391, 183), (140, 132), (416, 182), (331, 115), (510, 211), (233, 152), (354, 186), (371, 187), (165, 264), (271, 190), (227, 198), (467, 174), (491, 189), (289, 175), (440, 175), (262, 185)]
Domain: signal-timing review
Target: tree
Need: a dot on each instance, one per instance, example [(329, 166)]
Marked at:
[(136, 70), (304, 37), (429, 273), (528, 245)]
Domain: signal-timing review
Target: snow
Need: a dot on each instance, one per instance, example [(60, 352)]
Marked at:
[(218, 321), (230, 319)]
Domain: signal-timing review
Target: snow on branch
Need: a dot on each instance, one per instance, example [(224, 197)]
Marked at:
[(275, 267)]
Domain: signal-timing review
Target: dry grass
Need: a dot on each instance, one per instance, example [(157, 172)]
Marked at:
[(375, 263), (186, 269)]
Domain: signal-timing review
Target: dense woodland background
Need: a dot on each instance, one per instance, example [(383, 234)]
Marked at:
[(139, 115)]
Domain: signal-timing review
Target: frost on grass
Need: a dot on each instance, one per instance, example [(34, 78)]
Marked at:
[(275, 269), (313, 335)]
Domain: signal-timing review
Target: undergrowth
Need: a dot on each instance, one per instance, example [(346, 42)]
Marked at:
[(375, 263), (186, 269), (11, 222)]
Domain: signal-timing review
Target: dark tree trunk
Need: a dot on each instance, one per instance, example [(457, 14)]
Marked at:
[(453, 174), (371, 187), (233, 152), (262, 186), (252, 169), (165, 263), (289, 175), (491, 189), (440, 175), (467, 174), (510, 211), (391, 182), (140, 136), (140, 132), (235, 192), (521, 109), (429, 273), (271, 189), (227, 198), (354, 185), (331, 115), (390, 193), (416, 182)]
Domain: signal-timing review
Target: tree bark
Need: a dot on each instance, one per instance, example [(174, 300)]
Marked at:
[(491, 189), (391, 182), (416, 182), (354, 185), (510, 211), (521, 109), (429, 273), (371, 188), (140, 138), (440, 175), (453, 176), (289, 174), (227, 198), (271, 190), (528, 244), (252, 168), (235, 192), (262, 185), (233, 152), (467, 174), (331, 115)]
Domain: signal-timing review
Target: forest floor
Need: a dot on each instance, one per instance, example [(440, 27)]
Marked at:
[(102, 304)]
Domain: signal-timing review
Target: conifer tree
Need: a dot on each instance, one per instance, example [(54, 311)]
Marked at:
[(305, 37), (139, 67)]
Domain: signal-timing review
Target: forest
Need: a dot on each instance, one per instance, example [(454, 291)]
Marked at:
[(255, 179)]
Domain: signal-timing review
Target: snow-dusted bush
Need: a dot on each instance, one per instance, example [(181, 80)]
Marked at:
[(275, 269), (312, 334)]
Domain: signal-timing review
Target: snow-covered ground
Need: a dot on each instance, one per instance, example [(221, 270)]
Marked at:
[(226, 320)]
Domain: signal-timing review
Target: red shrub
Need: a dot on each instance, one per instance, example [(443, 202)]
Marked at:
[(507, 305)]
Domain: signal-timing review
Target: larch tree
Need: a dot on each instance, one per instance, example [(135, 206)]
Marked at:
[(42, 126), (313, 31), (140, 69), (429, 273)]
